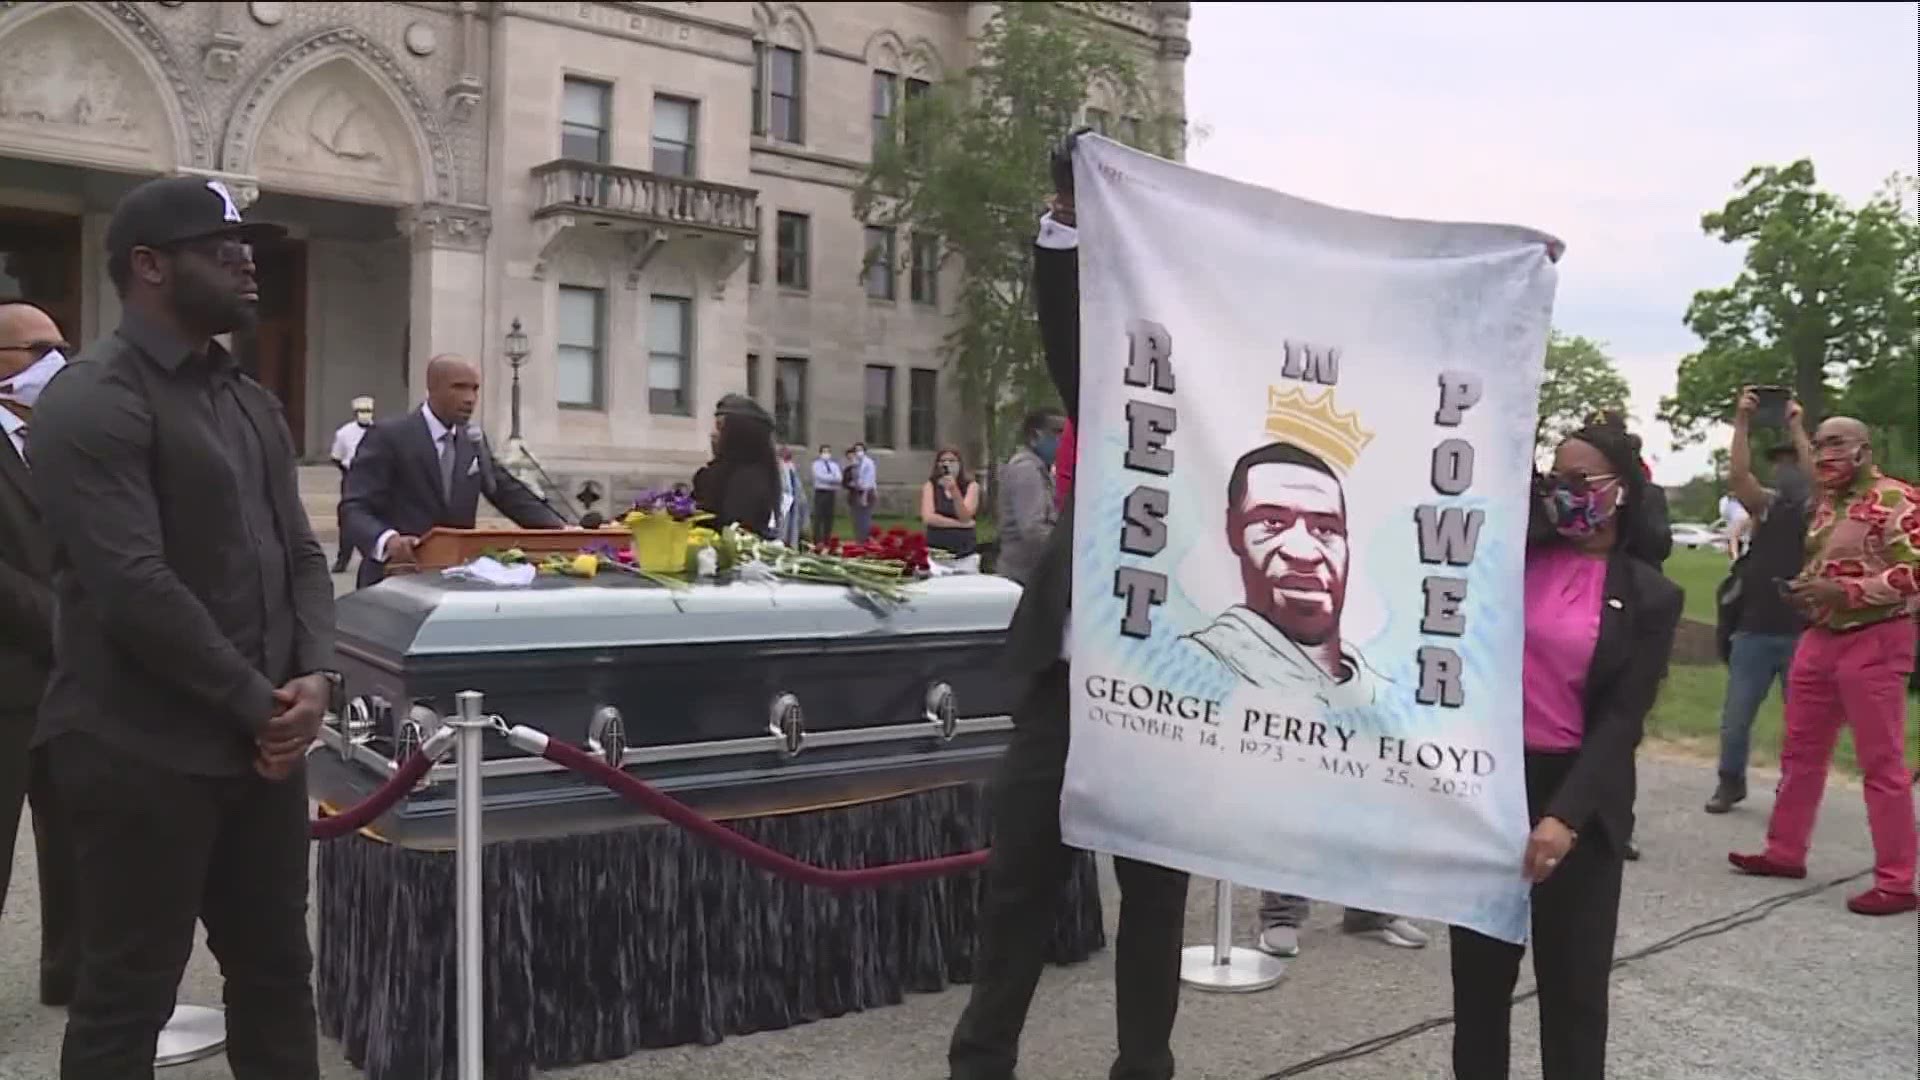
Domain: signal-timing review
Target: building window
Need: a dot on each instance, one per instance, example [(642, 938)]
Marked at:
[(916, 146), (759, 88), (753, 376), (879, 405), (923, 427), (675, 120), (790, 255), (880, 256), (790, 400), (784, 99), (925, 284), (580, 349), (886, 100), (669, 359), (585, 118), (755, 258)]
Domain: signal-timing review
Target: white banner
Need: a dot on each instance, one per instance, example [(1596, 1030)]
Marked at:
[(1305, 448)]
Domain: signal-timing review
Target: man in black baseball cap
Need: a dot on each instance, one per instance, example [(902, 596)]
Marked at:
[(195, 630)]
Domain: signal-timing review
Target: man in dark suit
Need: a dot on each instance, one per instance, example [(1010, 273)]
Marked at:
[(190, 654), (429, 468), (1029, 863), (31, 351)]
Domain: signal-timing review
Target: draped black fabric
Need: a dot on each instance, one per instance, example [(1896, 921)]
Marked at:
[(602, 944)]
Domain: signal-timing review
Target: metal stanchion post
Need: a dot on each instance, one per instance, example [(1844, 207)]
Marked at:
[(467, 862), (1219, 966)]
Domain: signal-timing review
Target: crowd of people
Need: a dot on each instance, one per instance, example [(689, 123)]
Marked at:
[(147, 495)]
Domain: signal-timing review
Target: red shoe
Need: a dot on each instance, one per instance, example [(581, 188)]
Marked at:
[(1765, 866), (1878, 901)]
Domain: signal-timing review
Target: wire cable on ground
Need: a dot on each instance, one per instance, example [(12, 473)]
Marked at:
[(1746, 916)]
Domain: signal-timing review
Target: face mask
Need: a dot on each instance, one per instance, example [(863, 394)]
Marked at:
[(1576, 515), (1840, 469), (951, 468), (1047, 446), (24, 389)]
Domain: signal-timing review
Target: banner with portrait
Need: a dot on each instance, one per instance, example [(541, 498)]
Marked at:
[(1305, 448)]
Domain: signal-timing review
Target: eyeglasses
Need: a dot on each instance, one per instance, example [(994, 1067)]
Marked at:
[(39, 349)]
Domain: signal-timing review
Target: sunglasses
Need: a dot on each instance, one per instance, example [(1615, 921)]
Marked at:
[(39, 349), (227, 254), (1580, 483)]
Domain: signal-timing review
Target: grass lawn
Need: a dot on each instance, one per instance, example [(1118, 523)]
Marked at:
[(1699, 572), (1688, 713)]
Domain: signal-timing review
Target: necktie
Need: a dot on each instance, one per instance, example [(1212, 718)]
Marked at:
[(446, 466)]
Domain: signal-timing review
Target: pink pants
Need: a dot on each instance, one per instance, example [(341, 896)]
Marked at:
[(1858, 679)]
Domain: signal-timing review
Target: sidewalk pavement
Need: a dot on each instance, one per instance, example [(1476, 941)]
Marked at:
[(1809, 990)]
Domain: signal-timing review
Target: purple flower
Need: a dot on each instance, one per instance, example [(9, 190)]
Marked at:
[(677, 505)]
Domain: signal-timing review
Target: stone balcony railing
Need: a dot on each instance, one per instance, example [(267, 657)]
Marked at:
[(569, 186)]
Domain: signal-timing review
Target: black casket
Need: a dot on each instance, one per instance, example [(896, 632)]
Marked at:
[(840, 732)]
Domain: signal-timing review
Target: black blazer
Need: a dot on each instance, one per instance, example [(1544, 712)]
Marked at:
[(142, 504), (26, 588), (394, 483), (1638, 618), (1039, 624)]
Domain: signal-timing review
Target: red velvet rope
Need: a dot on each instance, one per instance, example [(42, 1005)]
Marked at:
[(647, 797), (359, 817)]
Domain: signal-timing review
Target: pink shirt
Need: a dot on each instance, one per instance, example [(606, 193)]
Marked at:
[(1564, 590)]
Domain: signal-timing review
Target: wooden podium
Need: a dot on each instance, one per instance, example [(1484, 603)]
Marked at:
[(442, 548)]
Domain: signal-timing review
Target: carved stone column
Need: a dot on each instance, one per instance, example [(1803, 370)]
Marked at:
[(448, 288)]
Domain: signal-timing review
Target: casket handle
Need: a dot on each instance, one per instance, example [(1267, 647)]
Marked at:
[(607, 735), (787, 723), (943, 712)]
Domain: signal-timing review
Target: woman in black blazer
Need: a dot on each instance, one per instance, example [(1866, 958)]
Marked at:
[(1600, 626)]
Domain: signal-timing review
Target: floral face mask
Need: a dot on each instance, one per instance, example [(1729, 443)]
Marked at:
[(1580, 506)]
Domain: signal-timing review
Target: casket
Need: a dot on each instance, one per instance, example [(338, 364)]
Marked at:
[(734, 697)]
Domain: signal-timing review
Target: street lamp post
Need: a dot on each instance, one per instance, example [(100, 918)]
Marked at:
[(516, 355)]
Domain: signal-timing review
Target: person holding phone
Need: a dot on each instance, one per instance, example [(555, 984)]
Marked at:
[(948, 502), (1859, 593), (1767, 626)]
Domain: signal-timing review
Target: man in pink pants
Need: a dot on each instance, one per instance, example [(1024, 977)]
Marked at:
[(1860, 589)]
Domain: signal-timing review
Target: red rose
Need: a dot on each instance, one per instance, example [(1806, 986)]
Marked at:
[(1902, 579)]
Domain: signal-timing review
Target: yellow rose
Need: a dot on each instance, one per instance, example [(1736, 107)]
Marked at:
[(586, 565)]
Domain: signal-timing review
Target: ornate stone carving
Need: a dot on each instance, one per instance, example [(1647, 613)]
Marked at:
[(223, 55), (420, 39), (435, 225), (642, 248), (549, 237), (345, 133), (153, 48), (267, 14), (331, 126), (463, 98)]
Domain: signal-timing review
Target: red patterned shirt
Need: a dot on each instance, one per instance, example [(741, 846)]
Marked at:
[(1868, 539)]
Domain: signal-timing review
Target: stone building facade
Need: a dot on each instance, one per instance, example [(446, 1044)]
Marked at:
[(660, 193)]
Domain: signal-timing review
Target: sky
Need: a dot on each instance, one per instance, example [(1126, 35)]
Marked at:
[(1612, 126)]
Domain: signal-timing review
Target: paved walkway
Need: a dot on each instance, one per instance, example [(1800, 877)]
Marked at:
[(1806, 991)]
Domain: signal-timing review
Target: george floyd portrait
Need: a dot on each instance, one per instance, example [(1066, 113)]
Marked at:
[(1286, 527)]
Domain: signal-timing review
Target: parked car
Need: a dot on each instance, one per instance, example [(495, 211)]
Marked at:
[(1694, 537)]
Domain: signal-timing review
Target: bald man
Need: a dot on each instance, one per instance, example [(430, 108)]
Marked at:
[(32, 351), (1859, 591), (429, 468)]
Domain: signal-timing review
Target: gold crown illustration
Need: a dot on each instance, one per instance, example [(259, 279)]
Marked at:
[(1313, 424)]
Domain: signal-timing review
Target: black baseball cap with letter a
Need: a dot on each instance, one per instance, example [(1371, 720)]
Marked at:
[(175, 209)]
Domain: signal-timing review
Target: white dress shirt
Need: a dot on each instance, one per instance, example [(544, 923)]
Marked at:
[(346, 441), (826, 474), (16, 430)]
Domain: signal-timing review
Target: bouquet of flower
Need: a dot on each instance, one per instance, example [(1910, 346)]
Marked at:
[(883, 581), (893, 545)]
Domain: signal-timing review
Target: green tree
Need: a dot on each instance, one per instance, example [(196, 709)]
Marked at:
[(1580, 380), (970, 168), (1824, 303)]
